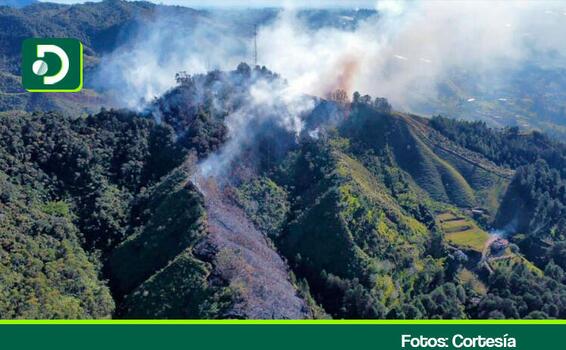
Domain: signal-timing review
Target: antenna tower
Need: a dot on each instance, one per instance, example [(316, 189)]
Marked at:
[(255, 45)]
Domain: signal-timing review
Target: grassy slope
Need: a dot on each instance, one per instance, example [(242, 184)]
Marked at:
[(445, 177), (364, 182), (472, 280), (352, 228)]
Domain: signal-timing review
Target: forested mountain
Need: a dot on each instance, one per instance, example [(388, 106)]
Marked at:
[(365, 213), (228, 196), (530, 97), (97, 25), (16, 3), (104, 26)]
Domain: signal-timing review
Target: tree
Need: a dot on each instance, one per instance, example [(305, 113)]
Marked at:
[(382, 105)]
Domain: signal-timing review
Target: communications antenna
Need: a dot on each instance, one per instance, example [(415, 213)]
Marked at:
[(255, 45)]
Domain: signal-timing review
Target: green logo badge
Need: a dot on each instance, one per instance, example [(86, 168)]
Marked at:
[(52, 65)]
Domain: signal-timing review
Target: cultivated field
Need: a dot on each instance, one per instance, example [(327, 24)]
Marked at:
[(462, 232)]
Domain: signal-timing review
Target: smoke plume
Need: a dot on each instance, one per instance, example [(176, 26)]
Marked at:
[(403, 53), (266, 102), (145, 65), (408, 48)]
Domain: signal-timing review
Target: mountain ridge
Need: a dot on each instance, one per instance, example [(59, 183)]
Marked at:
[(340, 220)]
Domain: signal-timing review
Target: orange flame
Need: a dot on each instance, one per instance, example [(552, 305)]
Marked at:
[(347, 69)]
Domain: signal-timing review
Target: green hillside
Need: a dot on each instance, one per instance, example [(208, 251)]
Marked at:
[(440, 167), (44, 271), (100, 26), (380, 215)]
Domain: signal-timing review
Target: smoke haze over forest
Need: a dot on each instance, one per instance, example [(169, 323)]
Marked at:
[(402, 52)]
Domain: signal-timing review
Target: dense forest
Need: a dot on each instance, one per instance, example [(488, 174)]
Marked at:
[(106, 215), (210, 202)]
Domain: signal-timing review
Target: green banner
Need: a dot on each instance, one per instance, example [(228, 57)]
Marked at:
[(531, 335)]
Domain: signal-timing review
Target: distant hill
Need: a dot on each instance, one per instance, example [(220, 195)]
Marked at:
[(531, 97), (17, 3), (98, 25), (104, 25)]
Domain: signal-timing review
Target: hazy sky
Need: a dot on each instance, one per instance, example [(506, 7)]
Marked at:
[(251, 3)]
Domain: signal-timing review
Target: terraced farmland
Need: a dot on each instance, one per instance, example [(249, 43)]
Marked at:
[(462, 232)]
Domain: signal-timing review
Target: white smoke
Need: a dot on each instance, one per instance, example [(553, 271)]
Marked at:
[(267, 101), (145, 66), (401, 53), (410, 47)]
